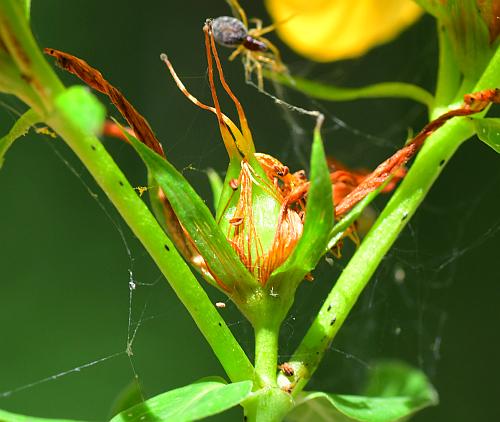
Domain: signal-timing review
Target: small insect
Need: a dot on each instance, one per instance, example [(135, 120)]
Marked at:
[(287, 369), (220, 305), (257, 51)]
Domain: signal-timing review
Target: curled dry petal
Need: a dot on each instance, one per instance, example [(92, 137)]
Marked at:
[(262, 257)]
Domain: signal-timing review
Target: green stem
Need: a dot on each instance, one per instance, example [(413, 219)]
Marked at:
[(19, 129), (323, 91), (27, 8), (449, 76), (491, 76), (268, 405), (437, 150), (429, 163), (16, 34), (138, 217), (266, 354)]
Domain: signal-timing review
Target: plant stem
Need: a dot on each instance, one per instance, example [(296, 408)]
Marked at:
[(138, 217), (328, 92), (17, 36), (491, 76), (448, 78), (266, 354), (429, 163), (268, 403), (19, 129)]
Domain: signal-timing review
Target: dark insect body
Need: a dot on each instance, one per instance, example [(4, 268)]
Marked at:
[(231, 32), (257, 51)]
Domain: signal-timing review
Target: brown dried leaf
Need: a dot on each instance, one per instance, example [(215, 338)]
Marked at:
[(93, 78)]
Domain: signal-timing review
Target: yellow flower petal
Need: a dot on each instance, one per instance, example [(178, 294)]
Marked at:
[(326, 30)]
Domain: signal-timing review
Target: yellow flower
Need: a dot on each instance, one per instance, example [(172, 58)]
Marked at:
[(326, 30)]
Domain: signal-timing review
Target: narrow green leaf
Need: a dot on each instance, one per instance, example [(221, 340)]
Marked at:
[(323, 91), (155, 202), (216, 185), (193, 402), (83, 109), (20, 128), (394, 392), (195, 217), (227, 197), (488, 130), (14, 417), (319, 216)]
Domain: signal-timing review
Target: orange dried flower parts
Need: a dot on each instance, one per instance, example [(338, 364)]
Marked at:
[(264, 210), (262, 232), (345, 180)]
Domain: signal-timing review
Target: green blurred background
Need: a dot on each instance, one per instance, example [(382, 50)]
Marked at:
[(64, 268)]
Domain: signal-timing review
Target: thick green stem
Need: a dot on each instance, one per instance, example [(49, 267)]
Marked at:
[(16, 35), (449, 76), (268, 403), (266, 354), (437, 150), (146, 228), (22, 47), (429, 163), (491, 76)]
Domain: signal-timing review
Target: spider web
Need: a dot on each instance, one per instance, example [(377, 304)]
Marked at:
[(96, 317)]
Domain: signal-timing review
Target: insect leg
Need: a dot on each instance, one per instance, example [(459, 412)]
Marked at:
[(235, 6), (236, 52)]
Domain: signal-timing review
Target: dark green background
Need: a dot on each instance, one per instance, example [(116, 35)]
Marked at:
[(64, 298)]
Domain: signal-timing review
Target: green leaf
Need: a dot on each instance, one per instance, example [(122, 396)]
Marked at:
[(216, 185), (83, 109), (323, 91), (227, 197), (20, 128), (212, 378), (195, 401), (129, 396), (14, 417), (319, 217), (195, 217), (393, 393), (488, 130)]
